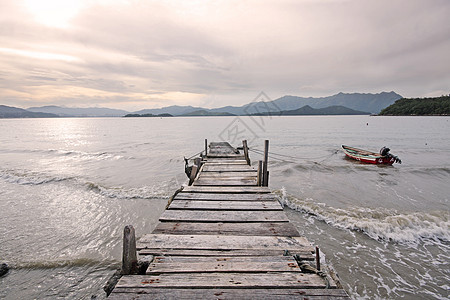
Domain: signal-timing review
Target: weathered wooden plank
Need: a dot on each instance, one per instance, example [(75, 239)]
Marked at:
[(223, 242), (225, 216), (222, 267), (202, 259), (229, 197), (225, 205), (225, 280), (229, 174), (249, 264), (226, 189), (226, 163), (227, 168), (243, 176), (228, 294), (217, 154), (304, 255), (216, 182), (225, 160), (222, 147), (226, 147), (264, 228)]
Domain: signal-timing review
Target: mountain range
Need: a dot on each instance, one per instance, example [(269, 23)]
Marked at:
[(372, 103), (309, 111), (362, 103), (79, 112), (14, 112)]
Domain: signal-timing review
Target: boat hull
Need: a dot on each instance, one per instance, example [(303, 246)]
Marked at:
[(367, 156)]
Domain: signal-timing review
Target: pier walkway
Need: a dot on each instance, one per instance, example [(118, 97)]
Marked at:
[(226, 237)]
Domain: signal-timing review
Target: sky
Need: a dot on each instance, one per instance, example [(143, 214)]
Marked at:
[(132, 55)]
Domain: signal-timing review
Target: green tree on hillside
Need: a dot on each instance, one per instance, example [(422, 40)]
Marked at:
[(419, 107)]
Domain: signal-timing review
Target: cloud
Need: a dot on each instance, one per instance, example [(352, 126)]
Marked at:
[(142, 54)]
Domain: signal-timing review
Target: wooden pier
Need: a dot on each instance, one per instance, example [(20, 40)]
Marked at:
[(226, 237)]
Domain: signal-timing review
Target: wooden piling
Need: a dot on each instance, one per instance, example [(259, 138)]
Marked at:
[(194, 170), (266, 159), (206, 147), (129, 255), (245, 148), (317, 258), (259, 174)]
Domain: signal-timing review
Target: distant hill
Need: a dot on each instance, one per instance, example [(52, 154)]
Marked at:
[(146, 115), (79, 112), (372, 103), (174, 110), (419, 107), (204, 112), (309, 111), (14, 112)]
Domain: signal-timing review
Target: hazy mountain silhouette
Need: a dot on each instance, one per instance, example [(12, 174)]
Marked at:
[(79, 112), (14, 112)]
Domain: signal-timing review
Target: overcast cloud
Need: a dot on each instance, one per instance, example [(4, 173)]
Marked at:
[(146, 54)]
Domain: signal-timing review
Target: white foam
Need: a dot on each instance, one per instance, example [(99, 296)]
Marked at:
[(379, 223)]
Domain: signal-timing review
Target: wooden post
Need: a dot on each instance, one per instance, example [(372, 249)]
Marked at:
[(206, 147), (197, 162), (193, 174), (259, 174), (266, 159), (317, 258), (194, 170), (129, 256), (245, 147)]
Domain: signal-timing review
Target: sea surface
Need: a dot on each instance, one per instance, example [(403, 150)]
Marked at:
[(69, 186)]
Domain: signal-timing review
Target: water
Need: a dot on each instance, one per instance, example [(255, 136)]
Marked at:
[(69, 186)]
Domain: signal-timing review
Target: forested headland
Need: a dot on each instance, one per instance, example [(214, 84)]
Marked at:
[(437, 106)]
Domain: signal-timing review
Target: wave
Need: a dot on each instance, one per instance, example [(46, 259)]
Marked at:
[(79, 154), (431, 171), (145, 192), (162, 190), (86, 155), (355, 167), (64, 263), (379, 223), (30, 178)]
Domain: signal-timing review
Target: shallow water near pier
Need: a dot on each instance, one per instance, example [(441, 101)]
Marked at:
[(69, 186)]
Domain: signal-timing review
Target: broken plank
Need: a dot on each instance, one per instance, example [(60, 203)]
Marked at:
[(224, 205), (226, 189), (225, 280), (223, 216), (227, 294), (257, 229), (223, 242)]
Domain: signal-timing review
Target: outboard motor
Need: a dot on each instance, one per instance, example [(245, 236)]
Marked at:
[(384, 151)]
